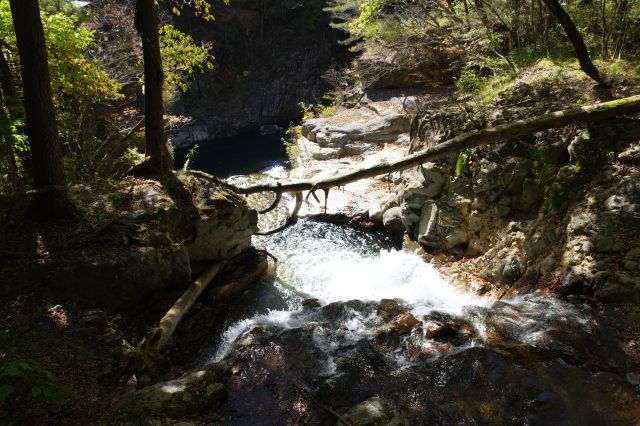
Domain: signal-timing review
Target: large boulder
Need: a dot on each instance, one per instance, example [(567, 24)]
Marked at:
[(372, 129), (225, 224), (122, 277)]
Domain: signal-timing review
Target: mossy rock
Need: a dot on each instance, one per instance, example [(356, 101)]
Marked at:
[(197, 392)]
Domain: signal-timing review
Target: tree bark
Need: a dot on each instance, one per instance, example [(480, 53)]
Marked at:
[(158, 159), (8, 86), (488, 136), (576, 39), (46, 149)]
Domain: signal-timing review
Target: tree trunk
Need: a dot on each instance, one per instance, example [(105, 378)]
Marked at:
[(9, 98), (46, 149), (576, 39), (8, 87), (158, 160), (491, 135), (482, 13)]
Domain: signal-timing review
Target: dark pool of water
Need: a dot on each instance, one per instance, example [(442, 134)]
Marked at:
[(237, 155)]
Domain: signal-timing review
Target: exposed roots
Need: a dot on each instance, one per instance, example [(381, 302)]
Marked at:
[(291, 220)]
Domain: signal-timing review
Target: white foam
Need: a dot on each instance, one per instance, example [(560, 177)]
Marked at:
[(333, 276), (332, 264)]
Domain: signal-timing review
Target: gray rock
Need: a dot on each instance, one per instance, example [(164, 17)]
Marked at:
[(631, 155), (531, 193), (426, 226), (380, 129), (189, 395), (487, 180), (225, 226), (124, 277), (575, 284), (373, 412), (617, 287), (433, 179), (392, 221), (308, 150), (424, 182), (510, 269)]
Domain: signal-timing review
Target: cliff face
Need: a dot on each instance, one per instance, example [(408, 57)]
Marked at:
[(270, 56)]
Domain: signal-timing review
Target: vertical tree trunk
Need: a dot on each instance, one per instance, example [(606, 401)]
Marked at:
[(158, 159), (466, 12), (46, 149), (8, 86), (605, 41), (9, 99), (482, 13), (576, 39)]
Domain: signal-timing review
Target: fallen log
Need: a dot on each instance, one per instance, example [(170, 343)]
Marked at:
[(145, 358), (488, 136), (160, 335)]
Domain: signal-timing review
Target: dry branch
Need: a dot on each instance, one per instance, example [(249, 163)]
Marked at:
[(144, 359), (167, 325), (476, 138), (291, 220)]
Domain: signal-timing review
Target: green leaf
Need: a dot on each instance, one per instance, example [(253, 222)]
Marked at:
[(11, 370), (6, 391)]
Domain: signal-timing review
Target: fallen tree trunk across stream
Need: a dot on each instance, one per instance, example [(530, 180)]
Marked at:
[(488, 136)]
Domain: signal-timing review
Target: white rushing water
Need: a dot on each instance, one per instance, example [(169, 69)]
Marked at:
[(334, 263)]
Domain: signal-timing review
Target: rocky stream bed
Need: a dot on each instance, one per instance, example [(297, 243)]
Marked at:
[(510, 328)]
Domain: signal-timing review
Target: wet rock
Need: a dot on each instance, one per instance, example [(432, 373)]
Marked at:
[(448, 328), (518, 386), (374, 411), (389, 309), (437, 330), (311, 303), (404, 323)]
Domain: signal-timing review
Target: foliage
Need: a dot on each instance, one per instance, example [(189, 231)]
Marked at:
[(463, 159), (201, 8), (77, 79), (364, 25), (182, 57), (28, 387), (473, 40), (132, 156), (469, 81)]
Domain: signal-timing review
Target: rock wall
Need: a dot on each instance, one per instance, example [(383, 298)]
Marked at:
[(157, 236), (270, 56), (559, 209)]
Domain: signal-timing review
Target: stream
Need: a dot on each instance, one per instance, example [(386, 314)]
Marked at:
[(347, 319)]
